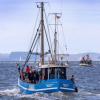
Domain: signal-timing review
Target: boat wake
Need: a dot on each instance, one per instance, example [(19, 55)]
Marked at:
[(38, 96), (45, 96), (16, 95)]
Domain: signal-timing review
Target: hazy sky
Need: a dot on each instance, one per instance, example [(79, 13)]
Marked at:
[(80, 19)]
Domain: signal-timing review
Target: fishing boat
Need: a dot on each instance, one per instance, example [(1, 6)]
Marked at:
[(86, 61), (51, 75)]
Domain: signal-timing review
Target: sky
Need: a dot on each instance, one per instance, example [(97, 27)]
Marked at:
[(80, 20)]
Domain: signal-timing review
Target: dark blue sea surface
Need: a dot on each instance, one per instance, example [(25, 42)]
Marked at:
[(87, 80)]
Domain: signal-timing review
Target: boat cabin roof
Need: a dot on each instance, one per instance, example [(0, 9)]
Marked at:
[(52, 66)]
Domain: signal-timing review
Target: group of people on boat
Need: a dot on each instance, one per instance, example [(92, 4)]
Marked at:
[(86, 60), (31, 75)]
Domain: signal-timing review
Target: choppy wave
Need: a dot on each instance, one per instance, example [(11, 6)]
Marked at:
[(9, 92), (14, 94), (87, 80)]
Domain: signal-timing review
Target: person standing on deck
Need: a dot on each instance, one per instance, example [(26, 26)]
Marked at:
[(72, 79), (18, 65), (22, 75), (27, 69)]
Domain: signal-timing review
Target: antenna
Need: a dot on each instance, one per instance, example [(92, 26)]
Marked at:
[(39, 4)]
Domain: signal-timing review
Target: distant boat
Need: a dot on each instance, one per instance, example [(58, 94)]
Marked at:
[(52, 75), (86, 61)]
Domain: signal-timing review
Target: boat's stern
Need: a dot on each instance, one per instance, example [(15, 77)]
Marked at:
[(67, 86), (62, 85)]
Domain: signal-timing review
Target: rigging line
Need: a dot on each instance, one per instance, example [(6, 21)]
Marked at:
[(48, 42), (36, 51), (52, 32), (33, 48), (35, 43), (64, 36), (35, 37), (57, 39), (32, 37), (48, 28), (49, 36), (64, 40), (35, 25), (28, 56), (30, 52)]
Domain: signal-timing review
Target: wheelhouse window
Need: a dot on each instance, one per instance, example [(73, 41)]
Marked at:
[(57, 73), (61, 73), (53, 73)]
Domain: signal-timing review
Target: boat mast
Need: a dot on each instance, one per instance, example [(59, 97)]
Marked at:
[(56, 15), (42, 33), (55, 39)]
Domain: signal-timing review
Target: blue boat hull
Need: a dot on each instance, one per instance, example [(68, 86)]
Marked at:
[(47, 86)]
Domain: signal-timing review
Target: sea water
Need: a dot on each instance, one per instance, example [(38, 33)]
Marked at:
[(87, 80)]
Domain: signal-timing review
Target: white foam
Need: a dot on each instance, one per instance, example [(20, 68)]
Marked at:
[(39, 96), (52, 96), (9, 92)]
